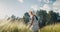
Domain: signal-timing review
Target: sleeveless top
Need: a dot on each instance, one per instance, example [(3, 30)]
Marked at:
[(34, 26)]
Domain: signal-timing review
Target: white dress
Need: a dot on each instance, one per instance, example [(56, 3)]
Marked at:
[(34, 26)]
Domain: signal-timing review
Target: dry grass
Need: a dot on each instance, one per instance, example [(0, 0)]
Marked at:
[(51, 28), (7, 26)]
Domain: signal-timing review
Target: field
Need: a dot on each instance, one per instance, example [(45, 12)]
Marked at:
[(51, 28), (7, 26)]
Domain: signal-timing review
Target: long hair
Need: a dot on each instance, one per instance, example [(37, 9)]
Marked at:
[(32, 12)]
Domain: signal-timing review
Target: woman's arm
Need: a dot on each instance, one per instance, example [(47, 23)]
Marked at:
[(31, 22)]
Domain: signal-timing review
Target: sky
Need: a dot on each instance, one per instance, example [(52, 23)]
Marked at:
[(19, 7)]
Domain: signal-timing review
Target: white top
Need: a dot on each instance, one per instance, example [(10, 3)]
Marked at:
[(34, 26)]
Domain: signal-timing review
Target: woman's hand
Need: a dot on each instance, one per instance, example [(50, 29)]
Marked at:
[(31, 22), (29, 26)]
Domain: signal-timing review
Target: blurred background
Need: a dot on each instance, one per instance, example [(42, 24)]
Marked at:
[(14, 15)]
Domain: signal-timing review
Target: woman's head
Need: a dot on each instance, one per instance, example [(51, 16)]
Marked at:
[(31, 13)]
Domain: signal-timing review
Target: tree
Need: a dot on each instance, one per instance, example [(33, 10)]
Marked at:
[(52, 17), (18, 18), (42, 15), (26, 17), (13, 17)]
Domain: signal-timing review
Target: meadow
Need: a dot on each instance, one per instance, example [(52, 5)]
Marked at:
[(7, 26)]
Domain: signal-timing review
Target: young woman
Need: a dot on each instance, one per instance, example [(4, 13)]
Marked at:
[(34, 23)]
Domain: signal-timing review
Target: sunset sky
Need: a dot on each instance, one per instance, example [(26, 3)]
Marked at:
[(19, 7)]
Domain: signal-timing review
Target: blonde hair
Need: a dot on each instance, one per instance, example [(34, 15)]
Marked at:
[(32, 12)]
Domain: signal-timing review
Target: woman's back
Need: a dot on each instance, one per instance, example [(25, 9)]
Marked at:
[(35, 26), (35, 21)]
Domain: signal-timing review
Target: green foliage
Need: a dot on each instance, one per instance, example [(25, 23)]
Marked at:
[(13, 18), (42, 15), (26, 17), (52, 17), (47, 18)]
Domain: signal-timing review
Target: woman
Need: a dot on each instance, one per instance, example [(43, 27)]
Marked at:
[(34, 23)]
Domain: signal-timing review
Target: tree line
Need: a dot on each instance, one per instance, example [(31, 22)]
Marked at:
[(44, 18)]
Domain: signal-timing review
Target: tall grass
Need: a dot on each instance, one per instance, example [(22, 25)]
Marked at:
[(7, 26), (51, 28)]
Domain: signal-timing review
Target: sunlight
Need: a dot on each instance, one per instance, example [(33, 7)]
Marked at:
[(21, 1)]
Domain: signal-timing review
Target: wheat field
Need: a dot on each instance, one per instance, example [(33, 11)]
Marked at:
[(51, 28), (7, 26)]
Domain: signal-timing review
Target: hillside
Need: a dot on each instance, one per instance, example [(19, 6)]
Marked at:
[(51, 28)]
